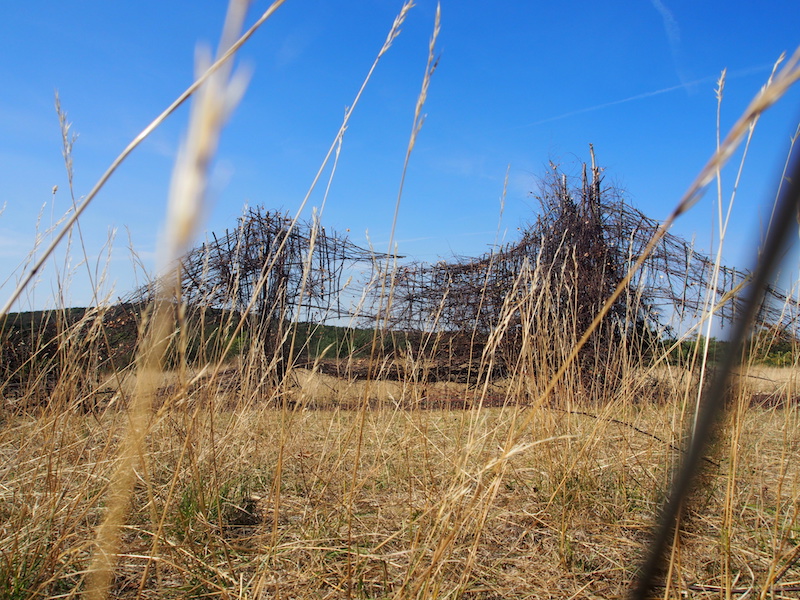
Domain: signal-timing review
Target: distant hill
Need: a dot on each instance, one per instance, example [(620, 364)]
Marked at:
[(39, 344)]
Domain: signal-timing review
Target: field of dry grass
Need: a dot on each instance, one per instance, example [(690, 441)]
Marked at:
[(387, 502), (250, 477)]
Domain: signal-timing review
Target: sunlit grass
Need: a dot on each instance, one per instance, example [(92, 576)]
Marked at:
[(203, 467)]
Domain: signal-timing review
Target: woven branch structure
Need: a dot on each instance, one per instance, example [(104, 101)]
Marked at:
[(562, 270)]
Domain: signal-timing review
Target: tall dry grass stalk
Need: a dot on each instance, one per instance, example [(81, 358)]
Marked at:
[(766, 264), (213, 103)]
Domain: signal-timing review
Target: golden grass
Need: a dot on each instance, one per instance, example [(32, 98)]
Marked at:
[(569, 516), (767, 379), (212, 484)]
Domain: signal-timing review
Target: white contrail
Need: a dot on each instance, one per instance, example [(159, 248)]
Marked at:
[(670, 24), (673, 35), (680, 86)]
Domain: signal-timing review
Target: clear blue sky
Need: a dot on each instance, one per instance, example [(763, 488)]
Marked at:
[(518, 84)]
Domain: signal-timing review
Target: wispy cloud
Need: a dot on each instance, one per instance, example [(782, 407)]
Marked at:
[(160, 145), (673, 38), (14, 245), (293, 47)]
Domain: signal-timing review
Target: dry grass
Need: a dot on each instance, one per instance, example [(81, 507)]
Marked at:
[(766, 379), (231, 482), (569, 516)]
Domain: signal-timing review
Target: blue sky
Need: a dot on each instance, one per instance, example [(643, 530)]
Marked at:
[(518, 84)]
